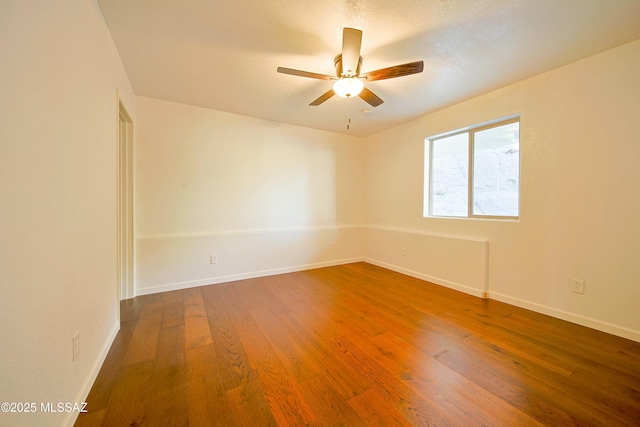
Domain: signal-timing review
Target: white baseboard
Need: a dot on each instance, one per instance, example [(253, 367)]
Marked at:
[(569, 317), (480, 293), (438, 281), (538, 308), (71, 417), (241, 276)]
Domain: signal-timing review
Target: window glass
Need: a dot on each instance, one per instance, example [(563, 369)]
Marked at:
[(450, 176), (496, 172)]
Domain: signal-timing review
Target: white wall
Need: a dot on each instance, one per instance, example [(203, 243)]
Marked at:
[(580, 181), (59, 76), (262, 196)]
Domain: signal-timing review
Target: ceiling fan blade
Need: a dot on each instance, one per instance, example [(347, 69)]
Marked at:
[(301, 73), (323, 98), (395, 71), (351, 42), (370, 97)]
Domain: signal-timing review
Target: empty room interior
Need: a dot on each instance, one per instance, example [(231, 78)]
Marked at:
[(199, 227)]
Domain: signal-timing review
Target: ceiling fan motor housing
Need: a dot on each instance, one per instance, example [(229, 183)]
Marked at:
[(339, 71)]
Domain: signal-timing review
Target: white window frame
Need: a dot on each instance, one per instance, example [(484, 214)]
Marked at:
[(428, 173)]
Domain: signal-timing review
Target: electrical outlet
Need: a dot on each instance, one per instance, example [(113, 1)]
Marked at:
[(75, 341), (577, 286), (213, 259), (334, 246), (404, 251)]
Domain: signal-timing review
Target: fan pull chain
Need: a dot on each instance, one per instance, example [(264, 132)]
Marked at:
[(349, 113)]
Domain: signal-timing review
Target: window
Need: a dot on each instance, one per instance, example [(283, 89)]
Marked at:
[(474, 172)]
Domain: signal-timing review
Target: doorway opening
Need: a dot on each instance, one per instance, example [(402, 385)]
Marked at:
[(125, 205)]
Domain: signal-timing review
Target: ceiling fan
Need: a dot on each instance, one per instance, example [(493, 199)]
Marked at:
[(348, 80)]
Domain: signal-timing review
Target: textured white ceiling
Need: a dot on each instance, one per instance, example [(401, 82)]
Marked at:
[(223, 54)]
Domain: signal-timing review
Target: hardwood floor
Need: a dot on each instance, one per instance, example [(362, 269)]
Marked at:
[(356, 345)]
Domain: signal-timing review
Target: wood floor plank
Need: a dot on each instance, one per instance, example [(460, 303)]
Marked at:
[(416, 368), (350, 318), (126, 403), (209, 379), (262, 293), (230, 296), (356, 345), (168, 407), (285, 400), (329, 306), (144, 342), (615, 403), (312, 321), (430, 340), (168, 377), (383, 349), (614, 351), (542, 401), (173, 309), (396, 313), (342, 376), (247, 297), (130, 309), (328, 405), (396, 356), (373, 408), (197, 396), (476, 322), (294, 357), (298, 287), (196, 323), (495, 411), (540, 353), (249, 407), (618, 399), (412, 407), (225, 339)]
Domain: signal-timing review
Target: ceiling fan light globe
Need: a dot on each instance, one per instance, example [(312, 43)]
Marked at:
[(347, 87)]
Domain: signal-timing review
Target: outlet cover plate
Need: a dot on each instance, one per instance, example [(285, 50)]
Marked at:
[(577, 286), (75, 340)]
